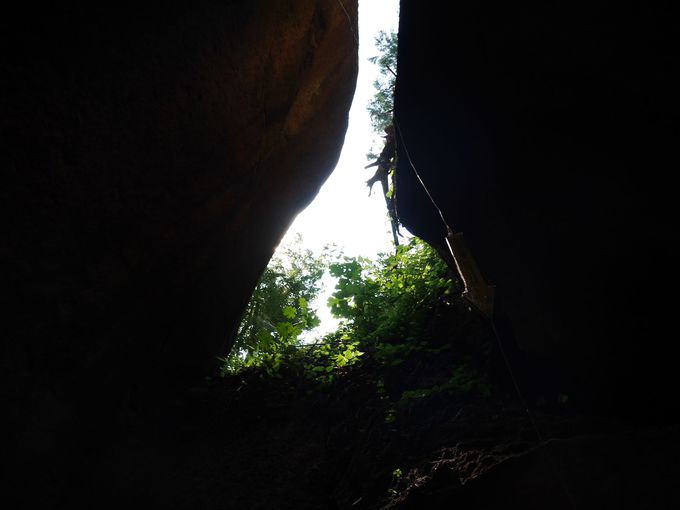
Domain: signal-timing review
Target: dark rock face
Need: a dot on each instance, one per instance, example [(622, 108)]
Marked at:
[(152, 159), (588, 471), (547, 135)]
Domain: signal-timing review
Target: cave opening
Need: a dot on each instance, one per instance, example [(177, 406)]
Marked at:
[(345, 218), (399, 349)]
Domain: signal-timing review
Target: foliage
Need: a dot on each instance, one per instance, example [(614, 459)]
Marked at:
[(333, 353), (390, 307), (279, 310), (464, 379), (381, 105), (386, 304), (387, 308)]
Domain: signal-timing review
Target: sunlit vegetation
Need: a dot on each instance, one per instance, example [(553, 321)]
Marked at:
[(390, 309), (279, 310), (381, 105), (384, 307)]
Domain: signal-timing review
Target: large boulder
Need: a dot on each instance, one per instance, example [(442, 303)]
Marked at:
[(547, 135), (153, 157)]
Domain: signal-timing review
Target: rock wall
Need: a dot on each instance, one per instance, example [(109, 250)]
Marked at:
[(153, 156), (547, 135)]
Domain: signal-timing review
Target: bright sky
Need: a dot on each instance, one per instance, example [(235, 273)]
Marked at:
[(343, 213)]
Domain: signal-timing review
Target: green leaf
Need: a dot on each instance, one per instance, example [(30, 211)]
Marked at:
[(289, 312)]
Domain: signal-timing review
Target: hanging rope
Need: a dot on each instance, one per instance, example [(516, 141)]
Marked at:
[(454, 244), (420, 179), (476, 290), (485, 312), (351, 25)]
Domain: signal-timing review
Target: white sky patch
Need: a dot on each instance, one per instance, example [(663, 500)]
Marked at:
[(342, 213)]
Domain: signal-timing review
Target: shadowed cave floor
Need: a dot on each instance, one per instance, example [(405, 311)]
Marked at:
[(247, 442)]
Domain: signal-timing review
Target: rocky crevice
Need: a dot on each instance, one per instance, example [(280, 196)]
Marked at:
[(155, 156)]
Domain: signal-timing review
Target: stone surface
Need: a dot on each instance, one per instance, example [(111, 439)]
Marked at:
[(547, 136), (615, 470), (153, 156)]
